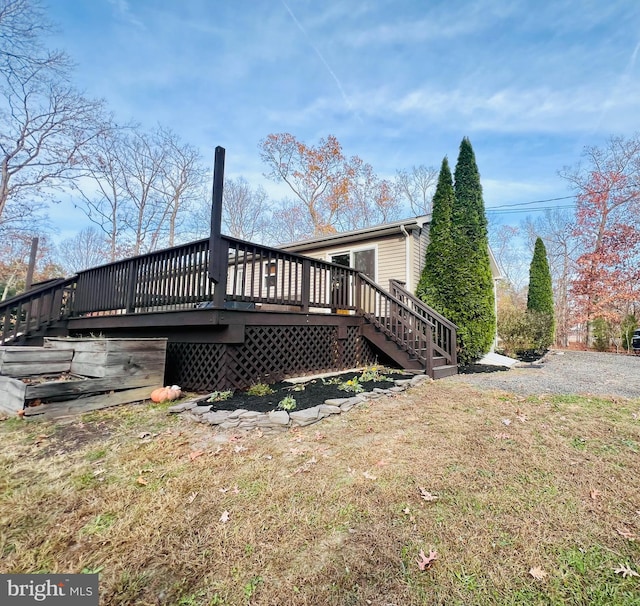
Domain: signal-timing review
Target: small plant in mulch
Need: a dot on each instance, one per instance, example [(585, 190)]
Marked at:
[(352, 385), (332, 381), (220, 396), (288, 403), (374, 374), (259, 389)]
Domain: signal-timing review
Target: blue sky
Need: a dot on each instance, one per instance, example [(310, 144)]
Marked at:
[(398, 82)]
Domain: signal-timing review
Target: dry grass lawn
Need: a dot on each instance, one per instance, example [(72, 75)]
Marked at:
[(337, 512)]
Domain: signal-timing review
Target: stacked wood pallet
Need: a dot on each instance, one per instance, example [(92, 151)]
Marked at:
[(70, 376)]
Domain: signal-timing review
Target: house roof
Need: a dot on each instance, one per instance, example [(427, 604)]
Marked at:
[(358, 235), (385, 229)]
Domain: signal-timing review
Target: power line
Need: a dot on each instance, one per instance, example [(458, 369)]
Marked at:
[(530, 210), (535, 202)]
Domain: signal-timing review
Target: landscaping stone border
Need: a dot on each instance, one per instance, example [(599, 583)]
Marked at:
[(281, 420)]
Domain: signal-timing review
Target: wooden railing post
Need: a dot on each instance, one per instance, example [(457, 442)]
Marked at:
[(305, 286), (130, 295)]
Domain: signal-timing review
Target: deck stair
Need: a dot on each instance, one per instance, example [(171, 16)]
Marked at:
[(411, 333)]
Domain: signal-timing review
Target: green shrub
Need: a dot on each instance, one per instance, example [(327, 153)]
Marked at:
[(260, 389), (220, 396), (373, 374), (601, 331), (523, 331), (287, 403)]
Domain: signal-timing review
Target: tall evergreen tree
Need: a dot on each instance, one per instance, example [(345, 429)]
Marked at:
[(434, 285), (473, 307), (540, 297)]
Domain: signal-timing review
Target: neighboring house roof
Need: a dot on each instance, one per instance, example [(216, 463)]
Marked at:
[(357, 235), (370, 233)]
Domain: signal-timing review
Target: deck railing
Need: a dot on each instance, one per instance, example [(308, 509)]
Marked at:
[(444, 331), (257, 277), (39, 307)]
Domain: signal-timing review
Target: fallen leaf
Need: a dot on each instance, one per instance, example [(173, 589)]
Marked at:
[(406, 510), (319, 436), (502, 436), (236, 490), (268, 457), (223, 490), (297, 451), (426, 495), (143, 435), (369, 476), (537, 573), (224, 518), (192, 497), (594, 494), (195, 454), (381, 463), (626, 571), (425, 562), (142, 481), (239, 448), (521, 418), (627, 534), (235, 438), (306, 467), (506, 422)]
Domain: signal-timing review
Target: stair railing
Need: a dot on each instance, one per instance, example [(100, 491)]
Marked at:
[(444, 331), (410, 330), (28, 312)]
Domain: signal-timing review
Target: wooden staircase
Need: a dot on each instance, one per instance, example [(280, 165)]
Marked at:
[(412, 334)]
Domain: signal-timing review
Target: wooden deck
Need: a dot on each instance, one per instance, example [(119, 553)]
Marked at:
[(236, 313)]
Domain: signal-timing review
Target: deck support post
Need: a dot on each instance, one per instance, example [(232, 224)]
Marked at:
[(218, 253)]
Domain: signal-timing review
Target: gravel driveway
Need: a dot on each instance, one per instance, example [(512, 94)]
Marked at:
[(566, 372)]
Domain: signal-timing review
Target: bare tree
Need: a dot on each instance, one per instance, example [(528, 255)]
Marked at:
[(104, 200), (182, 177), (245, 210), (44, 122), (86, 249), (371, 200), (506, 247), (417, 186)]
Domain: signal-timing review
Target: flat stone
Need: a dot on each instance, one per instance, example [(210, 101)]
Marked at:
[(401, 382), (250, 414), (350, 403), (215, 418), (182, 406), (229, 424), (419, 380), (329, 409), (335, 401), (279, 417), (383, 392), (200, 410), (397, 389), (236, 413), (300, 418)]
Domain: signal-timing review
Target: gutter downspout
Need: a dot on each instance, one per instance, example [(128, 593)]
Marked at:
[(407, 253)]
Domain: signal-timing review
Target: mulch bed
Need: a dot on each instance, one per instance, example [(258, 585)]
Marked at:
[(315, 392)]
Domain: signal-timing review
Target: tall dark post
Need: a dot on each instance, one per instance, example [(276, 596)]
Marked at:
[(32, 264), (216, 270)]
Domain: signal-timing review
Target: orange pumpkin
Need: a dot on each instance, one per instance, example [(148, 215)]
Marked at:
[(162, 394)]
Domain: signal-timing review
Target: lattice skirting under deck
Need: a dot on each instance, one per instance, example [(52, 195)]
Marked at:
[(268, 354)]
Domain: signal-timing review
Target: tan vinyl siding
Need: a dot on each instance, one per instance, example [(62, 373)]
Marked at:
[(392, 260), (390, 256)]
